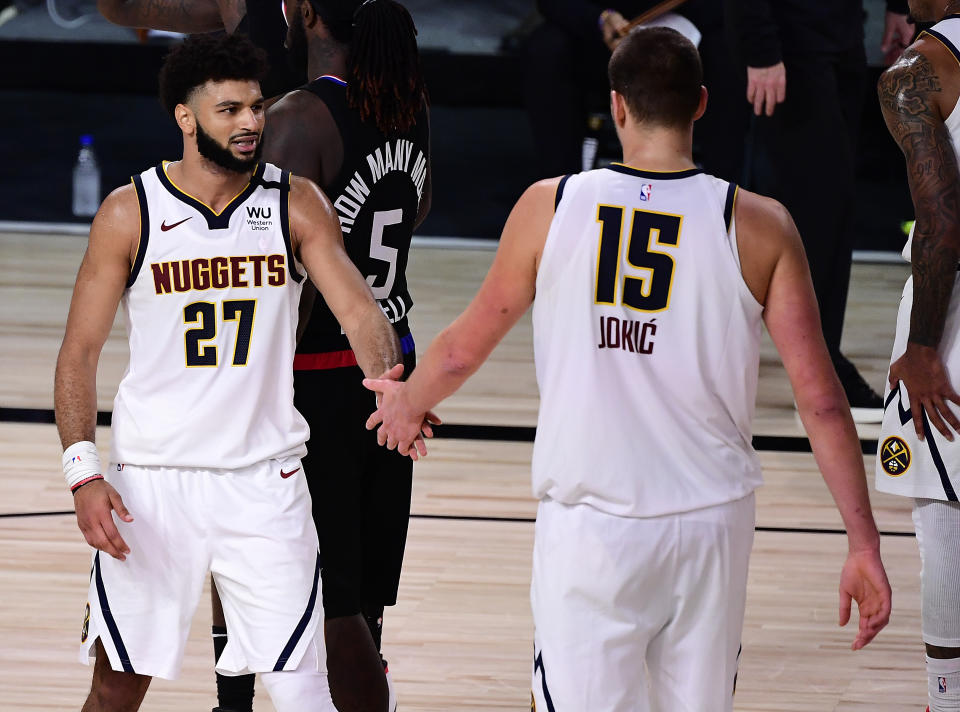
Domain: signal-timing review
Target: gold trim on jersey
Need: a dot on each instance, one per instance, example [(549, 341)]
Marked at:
[(216, 213)]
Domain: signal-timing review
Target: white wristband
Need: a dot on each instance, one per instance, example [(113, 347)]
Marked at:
[(81, 463)]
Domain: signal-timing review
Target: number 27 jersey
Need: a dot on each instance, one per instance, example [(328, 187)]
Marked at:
[(211, 314), (647, 346)]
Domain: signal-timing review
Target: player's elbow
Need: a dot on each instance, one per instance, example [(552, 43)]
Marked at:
[(825, 402), (458, 362), (76, 356)]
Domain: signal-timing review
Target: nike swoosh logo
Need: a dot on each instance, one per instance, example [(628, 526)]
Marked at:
[(285, 475), (164, 227)]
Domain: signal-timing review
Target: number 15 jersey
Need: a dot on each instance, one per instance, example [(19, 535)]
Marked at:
[(211, 315), (647, 346)]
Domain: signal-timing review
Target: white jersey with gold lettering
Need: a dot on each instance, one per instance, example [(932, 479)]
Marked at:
[(905, 464), (211, 314), (647, 346)]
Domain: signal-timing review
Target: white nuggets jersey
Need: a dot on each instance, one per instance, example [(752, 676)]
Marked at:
[(906, 465), (211, 314), (647, 346)]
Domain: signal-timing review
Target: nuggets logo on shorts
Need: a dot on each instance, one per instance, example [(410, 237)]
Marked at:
[(894, 456), (86, 625)]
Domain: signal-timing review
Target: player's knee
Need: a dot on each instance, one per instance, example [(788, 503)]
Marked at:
[(289, 690)]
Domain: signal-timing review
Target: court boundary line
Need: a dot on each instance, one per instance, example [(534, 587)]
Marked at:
[(465, 431), (505, 520)]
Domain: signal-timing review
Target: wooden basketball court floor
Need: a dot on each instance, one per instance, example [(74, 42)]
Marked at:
[(460, 636)]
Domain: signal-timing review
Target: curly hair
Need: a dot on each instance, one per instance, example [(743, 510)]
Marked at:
[(384, 79), (202, 58)]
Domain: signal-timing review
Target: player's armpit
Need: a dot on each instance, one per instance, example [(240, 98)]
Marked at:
[(100, 283), (187, 16), (316, 237)]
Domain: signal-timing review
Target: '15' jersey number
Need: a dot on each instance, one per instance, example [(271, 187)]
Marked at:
[(650, 293)]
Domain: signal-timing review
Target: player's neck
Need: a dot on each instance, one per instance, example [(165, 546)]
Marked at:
[(207, 182), (326, 57), (658, 149)]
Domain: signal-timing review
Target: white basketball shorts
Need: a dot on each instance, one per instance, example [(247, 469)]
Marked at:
[(906, 465), (638, 614), (252, 528)]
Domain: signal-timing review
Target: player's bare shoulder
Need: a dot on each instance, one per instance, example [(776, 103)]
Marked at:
[(312, 214), (765, 231), (117, 222), (924, 81), (301, 131)]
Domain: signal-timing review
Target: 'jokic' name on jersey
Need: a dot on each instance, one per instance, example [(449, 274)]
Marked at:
[(627, 334), (393, 156), (205, 273)]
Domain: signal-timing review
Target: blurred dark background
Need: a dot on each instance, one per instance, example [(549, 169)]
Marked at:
[(59, 82)]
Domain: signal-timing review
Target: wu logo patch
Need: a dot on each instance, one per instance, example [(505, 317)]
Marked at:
[(258, 218), (255, 211), (894, 456)]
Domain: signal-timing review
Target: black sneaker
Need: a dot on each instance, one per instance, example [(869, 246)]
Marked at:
[(866, 405)]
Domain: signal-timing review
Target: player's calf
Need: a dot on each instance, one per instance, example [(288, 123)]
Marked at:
[(357, 679), (943, 678), (113, 691)]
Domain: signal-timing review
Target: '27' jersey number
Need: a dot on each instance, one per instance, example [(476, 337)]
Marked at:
[(650, 293), (204, 315)]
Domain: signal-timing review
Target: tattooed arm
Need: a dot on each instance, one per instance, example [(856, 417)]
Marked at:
[(189, 16), (916, 93)]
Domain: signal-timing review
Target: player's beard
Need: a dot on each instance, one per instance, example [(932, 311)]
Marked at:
[(222, 156)]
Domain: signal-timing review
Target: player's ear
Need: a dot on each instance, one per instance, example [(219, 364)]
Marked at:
[(618, 109), (308, 13), (702, 106), (186, 119)]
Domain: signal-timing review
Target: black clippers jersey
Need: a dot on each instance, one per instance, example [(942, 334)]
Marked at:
[(377, 197)]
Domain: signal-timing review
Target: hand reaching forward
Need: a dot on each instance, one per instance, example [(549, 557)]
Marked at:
[(920, 370), (864, 580), (400, 428), (95, 503)]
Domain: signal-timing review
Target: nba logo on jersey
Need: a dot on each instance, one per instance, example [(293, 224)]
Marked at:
[(646, 192), (942, 684)]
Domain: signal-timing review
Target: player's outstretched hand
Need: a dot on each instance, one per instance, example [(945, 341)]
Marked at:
[(95, 503), (921, 372), (400, 427), (864, 580)]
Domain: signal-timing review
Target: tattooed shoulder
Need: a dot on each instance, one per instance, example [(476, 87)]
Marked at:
[(907, 86)]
